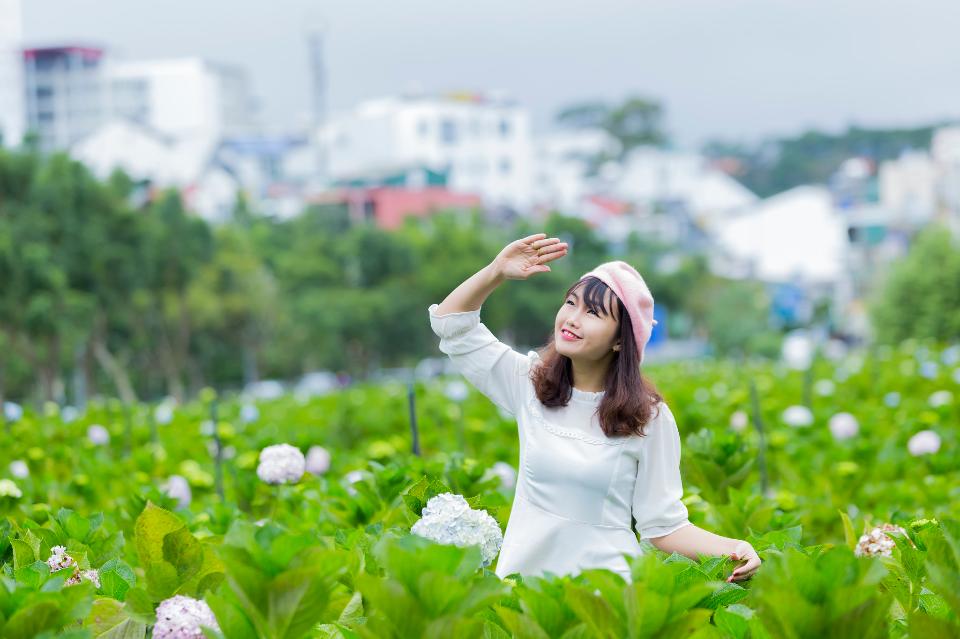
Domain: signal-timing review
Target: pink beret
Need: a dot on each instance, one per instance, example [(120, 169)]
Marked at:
[(627, 284)]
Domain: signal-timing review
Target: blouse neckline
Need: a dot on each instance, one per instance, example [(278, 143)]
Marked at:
[(586, 396)]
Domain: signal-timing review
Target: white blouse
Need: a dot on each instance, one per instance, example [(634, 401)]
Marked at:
[(576, 489)]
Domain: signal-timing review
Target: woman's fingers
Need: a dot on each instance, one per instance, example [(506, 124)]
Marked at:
[(553, 254)]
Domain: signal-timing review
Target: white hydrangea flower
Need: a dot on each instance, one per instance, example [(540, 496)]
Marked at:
[(739, 420), (876, 543), (824, 387), (98, 435), (59, 559), (181, 617), (163, 413), (12, 411), (69, 414), (281, 463), (84, 575), (797, 416), (797, 351), (448, 519), (843, 426), (318, 460), (940, 398), (702, 395), (926, 442), (19, 469), (9, 489), (207, 427), (892, 399), (178, 488), (506, 473), (456, 390), (353, 477), (249, 413), (951, 355), (929, 369)]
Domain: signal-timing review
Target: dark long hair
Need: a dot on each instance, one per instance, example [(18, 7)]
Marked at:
[(630, 399)]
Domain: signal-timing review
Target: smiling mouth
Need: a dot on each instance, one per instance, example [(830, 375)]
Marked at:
[(569, 334)]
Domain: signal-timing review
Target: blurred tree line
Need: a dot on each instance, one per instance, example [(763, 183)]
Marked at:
[(101, 296), (812, 157)]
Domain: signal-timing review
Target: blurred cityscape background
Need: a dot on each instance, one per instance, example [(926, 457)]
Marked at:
[(165, 224)]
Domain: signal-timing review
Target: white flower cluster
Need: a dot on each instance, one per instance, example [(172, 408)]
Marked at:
[(448, 519), (843, 426), (9, 489), (178, 488), (926, 442), (875, 542), (98, 435), (739, 420), (60, 560), (84, 575), (797, 416), (281, 463), (506, 473), (318, 460), (940, 398), (19, 469), (181, 617)]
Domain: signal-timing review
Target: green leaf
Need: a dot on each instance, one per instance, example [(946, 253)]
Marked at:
[(150, 529), (162, 581), (35, 574), (116, 578), (849, 536), (521, 626), (183, 552), (23, 554)]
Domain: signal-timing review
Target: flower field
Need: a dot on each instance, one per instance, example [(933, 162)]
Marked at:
[(311, 517)]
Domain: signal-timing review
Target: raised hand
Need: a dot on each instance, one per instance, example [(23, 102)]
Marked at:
[(524, 257)]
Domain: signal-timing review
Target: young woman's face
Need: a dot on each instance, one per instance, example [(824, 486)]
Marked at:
[(596, 331)]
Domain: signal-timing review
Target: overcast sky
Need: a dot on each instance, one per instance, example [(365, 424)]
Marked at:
[(732, 69)]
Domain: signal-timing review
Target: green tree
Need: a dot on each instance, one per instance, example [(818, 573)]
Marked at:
[(921, 295)]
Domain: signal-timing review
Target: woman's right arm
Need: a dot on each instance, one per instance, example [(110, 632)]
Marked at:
[(491, 366), (517, 261)]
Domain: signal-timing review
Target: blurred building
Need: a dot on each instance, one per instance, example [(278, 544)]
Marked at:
[(64, 100), (922, 186), (565, 168), (182, 97), (482, 142), (13, 118)]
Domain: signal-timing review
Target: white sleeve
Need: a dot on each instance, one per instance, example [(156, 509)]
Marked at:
[(495, 369), (656, 497)]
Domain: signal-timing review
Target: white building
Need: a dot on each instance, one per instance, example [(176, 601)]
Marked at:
[(908, 187), (483, 142), (920, 186), (182, 97), (189, 164), (64, 100), (796, 237), (12, 110), (651, 176), (563, 161)]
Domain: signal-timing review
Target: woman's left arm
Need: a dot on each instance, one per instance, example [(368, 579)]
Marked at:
[(692, 541)]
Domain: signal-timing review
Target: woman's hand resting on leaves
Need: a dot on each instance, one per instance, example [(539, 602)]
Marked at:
[(744, 552), (522, 258)]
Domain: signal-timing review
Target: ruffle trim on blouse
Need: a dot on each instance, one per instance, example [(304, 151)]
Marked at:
[(536, 409)]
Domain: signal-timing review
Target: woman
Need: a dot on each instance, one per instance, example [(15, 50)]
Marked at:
[(598, 446)]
